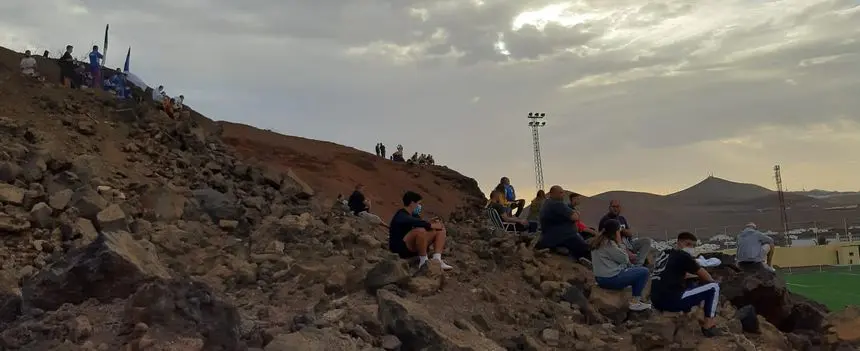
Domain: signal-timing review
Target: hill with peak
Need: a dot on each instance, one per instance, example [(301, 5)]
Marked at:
[(717, 206), (123, 229)]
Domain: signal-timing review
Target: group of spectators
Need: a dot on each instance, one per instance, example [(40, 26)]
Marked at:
[(171, 106), (78, 75), (619, 260), (397, 156)]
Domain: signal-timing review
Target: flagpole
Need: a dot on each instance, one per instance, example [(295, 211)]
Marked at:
[(105, 47)]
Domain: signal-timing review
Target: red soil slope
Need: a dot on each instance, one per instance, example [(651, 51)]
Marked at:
[(333, 169)]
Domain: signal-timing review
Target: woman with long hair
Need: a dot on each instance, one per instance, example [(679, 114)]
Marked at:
[(611, 265), (535, 206)]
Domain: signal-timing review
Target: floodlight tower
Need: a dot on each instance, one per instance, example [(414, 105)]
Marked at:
[(536, 121), (783, 216)]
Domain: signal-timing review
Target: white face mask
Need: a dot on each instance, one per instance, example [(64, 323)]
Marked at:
[(689, 250)]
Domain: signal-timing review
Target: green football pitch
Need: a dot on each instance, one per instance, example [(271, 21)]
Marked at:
[(836, 289)]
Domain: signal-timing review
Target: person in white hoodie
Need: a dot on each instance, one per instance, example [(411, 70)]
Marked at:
[(158, 94), (754, 247), (28, 65)]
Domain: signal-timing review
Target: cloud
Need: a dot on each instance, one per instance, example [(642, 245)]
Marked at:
[(647, 95)]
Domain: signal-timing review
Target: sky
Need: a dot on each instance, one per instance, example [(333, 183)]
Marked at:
[(645, 95)]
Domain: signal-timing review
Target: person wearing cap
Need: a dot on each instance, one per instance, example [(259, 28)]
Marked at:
[(755, 247)]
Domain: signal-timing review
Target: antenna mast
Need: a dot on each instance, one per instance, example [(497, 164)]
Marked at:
[(536, 121), (783, 216)]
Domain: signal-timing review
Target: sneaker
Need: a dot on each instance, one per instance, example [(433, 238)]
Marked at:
[(445, 266), (711, 332), (639, 306), (766, 266), (422, 268), (585, 262)]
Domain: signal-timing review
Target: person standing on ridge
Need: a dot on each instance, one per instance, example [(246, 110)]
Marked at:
[(377, 150), (67, 67), (382, 150), (638, 249), (96, 66)]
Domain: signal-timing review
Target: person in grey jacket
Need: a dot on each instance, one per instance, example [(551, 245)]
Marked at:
[(755, 247), (612, 267)]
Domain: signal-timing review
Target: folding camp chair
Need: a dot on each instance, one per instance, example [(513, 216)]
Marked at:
[(495, 221)]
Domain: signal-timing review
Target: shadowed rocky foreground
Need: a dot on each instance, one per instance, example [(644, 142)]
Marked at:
[(152, 234)]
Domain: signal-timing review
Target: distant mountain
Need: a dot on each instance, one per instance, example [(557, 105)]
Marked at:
[(715, 190), (832, 197)]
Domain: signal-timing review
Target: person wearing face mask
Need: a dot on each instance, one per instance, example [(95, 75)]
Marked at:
[(410, 236), (669, 290)]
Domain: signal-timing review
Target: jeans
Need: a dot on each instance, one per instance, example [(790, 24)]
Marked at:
[(709, 294), (575, 245), (531, 228), (636, 277)]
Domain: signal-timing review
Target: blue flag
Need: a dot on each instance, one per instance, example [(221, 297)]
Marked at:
[(127, 59)]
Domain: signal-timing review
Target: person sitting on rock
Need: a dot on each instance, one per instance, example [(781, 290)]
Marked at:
[(755, 247), (558, 223), (584, 230), (397, 156), (612, 268), (511, 196), (669, 290), (28, 65), (410, 236), (360, 205), (638, 249), (522, 225), (158, 94), (535, 206)]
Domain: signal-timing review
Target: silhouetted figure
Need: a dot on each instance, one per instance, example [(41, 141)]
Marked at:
[(378, 150), (382, 150)]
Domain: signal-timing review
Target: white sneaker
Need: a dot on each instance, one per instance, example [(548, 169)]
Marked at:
[(639, 306), (769, 267), (445, 266)]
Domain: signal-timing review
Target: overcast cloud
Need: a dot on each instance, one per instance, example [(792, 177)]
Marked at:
[(640, 95)]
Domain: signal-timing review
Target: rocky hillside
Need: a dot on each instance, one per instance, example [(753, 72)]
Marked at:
[(145, 233)]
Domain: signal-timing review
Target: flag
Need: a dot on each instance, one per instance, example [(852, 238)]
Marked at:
[(105, 47), (127, 60)]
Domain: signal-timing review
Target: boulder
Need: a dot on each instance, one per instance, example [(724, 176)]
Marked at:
[(9, 171), (189, 307), (10, 194), (768, 293), (13, 224), (112, 266), (164, 203), (611, 303), (112, 219), (10, 296), (88, 202), (41, 215), (389, 271), (418, 330), (843, 327), (304, 191), (213, 203), (313, 339), (59, 200)]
